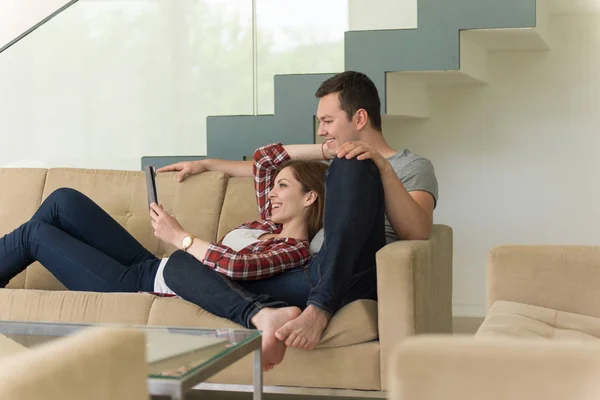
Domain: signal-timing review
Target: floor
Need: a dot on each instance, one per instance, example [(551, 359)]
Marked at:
[(248, 396), (461, 325)]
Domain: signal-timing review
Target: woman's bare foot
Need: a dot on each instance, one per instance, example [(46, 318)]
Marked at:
[(269, 320), (305, 332)]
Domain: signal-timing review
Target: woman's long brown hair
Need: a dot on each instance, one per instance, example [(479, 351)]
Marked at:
[(311, 175)]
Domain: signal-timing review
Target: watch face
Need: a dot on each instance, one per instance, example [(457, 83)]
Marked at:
[(187, 241)]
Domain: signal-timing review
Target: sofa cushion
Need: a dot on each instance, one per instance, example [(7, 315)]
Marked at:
[(510, 319), (355, 323), (196, 203), (239, 205), (77, 307)]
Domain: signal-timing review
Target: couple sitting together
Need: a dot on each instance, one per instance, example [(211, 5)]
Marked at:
[(312, 251)]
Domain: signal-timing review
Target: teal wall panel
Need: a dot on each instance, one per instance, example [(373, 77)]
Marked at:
[(233, 137), (434, 45)]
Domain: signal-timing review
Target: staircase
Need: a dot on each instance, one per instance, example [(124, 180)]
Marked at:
[(450, 46)]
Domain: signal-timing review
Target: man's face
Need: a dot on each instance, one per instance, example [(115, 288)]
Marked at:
[(334, 125)]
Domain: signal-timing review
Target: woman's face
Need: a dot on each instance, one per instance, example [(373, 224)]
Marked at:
[(288, 201)]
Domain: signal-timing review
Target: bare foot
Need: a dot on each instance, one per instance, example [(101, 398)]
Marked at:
[(268, 320), (305, 331)]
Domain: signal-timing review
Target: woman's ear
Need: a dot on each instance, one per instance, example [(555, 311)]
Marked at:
[(310, 198)]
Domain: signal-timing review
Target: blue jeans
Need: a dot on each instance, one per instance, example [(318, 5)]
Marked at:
[(341, 272), (81, 245)]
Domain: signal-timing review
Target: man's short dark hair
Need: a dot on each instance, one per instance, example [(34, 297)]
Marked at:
[(356, 91)]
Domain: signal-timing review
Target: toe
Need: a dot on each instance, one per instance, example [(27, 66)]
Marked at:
[(290, 340), (297, 343), (283, 333)]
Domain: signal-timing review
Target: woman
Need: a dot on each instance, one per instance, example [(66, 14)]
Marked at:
[(87, 250)]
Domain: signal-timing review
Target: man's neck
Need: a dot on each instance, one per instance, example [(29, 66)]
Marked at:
[(377, 142)]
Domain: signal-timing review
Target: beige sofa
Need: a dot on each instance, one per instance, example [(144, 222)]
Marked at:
[(94, 364), (415, 277), (539, 340), (543, 292), (451, 368)]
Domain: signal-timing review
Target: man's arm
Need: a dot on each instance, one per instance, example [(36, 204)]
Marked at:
[(187, 168), (409, 213), (231, 168), (243, 168)]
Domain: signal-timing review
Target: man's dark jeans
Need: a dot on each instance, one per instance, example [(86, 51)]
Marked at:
[(341, 272), (83, 247)]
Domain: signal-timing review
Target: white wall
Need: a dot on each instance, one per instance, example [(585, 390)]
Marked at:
[(518, 159), (17, 16), (110, 81), (382, 14)]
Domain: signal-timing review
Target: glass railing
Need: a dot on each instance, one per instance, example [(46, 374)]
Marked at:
[(103, 83), (19, 18)]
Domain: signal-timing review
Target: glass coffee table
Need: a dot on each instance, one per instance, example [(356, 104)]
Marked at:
[(174, 369)]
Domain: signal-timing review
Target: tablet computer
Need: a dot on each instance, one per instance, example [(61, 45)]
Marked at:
[(150, 172)]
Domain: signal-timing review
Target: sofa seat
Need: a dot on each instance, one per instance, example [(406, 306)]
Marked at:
[(351, 335), (518, 320), (353, 324)]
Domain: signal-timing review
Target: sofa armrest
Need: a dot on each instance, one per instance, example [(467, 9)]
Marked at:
[(414, 289), (564, 278), (453, 368), (95, 363)]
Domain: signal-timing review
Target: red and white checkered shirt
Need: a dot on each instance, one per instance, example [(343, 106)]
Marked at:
[(264, 258)]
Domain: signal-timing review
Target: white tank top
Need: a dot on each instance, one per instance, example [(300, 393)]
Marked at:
[(237, 239)]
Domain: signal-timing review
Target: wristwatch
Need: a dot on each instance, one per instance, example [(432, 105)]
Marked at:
[(186, 242)]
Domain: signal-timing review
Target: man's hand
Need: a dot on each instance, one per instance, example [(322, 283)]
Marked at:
[(363, 151), (185, 169), (166, 228)]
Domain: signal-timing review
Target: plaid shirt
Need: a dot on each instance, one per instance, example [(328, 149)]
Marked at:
[(264, 258)]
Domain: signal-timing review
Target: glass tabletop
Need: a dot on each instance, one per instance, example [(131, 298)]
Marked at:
[(171, 352)]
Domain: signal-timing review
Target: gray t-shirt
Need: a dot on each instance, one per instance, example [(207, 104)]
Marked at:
[(416, 174)]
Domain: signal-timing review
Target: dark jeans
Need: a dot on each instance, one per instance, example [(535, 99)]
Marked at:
[(343, 271), (81, 245)]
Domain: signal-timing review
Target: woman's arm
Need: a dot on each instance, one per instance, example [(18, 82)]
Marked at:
[(277, 257), (266, 160), (309, 152)]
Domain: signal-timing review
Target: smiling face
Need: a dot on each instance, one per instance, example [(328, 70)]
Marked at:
[(334, 125), (288, 199)]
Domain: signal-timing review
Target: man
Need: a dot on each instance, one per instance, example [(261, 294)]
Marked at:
[(400, 185)]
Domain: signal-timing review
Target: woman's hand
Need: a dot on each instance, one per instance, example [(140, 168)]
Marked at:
[(166, 228), (185, 169)]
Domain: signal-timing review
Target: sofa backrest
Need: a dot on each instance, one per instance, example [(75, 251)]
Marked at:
[(207, 205)]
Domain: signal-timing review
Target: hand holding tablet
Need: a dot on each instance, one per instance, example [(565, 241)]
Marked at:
[(150, 172)]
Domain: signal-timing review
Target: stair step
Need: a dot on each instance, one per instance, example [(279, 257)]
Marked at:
[(450, 46)]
